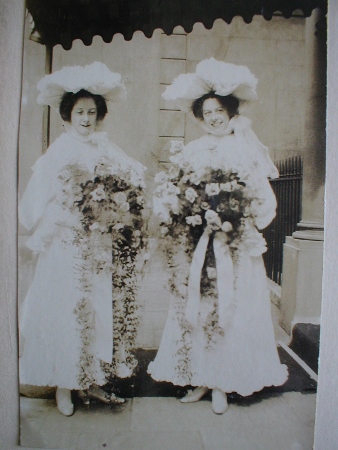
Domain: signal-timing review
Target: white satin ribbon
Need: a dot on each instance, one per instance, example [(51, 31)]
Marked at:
[(102, 302), (194, 283), (225, 279)]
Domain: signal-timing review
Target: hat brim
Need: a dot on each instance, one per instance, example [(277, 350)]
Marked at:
[(95, 78)]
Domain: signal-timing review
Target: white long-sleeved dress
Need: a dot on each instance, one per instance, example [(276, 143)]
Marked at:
[(66, 321), (244, 358)]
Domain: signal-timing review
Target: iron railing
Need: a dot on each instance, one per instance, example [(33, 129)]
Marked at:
[(288, 191)]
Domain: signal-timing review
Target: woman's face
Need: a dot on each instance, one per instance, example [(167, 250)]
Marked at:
[(83, 116), (215, 116)]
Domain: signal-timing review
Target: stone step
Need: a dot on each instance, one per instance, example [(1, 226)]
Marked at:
[(305, 343)]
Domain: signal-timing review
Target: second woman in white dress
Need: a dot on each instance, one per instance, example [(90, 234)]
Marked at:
[(211, 204)]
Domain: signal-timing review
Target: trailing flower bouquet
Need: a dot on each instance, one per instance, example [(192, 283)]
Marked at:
[(109, 204), (188, 202)]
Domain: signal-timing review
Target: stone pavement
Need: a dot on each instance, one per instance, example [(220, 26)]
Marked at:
[(265, 421), (275, 422)]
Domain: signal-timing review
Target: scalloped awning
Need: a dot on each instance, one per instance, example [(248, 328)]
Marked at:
[(62, 21)]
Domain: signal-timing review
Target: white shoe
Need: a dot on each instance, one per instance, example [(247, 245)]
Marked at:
[(219, 401), (195, 395), (64, 401)]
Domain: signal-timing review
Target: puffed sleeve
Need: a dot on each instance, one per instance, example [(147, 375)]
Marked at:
[(37, 194), (265, 205), (39, 207)]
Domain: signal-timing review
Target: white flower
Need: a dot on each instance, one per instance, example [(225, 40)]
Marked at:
[(194, 220), (161, 177), (205, 205), (213, 219), (160, 189), (98, 194), (160, 209), (211, 215), (125, 206), (164, 217), (212, 189), (164, 230), (226, 227), (173, 172), (195, 178), (226, 187), (174, 203), (191, 194), (136, 179), (212, 273), (176, 146), (180, 161), (118, 226), (172, 189), (140, 200), (119, 198)]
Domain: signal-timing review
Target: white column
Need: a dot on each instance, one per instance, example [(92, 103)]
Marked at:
[(303, 252)]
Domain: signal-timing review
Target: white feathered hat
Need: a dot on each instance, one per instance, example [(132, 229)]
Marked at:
[(213, 76), (95, 78)]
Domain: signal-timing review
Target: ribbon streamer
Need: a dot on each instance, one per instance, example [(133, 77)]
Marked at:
[(101, 301), (192, 308), (225, 279)]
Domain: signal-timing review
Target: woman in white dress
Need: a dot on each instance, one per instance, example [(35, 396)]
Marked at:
[(67, 317), (219, 333)]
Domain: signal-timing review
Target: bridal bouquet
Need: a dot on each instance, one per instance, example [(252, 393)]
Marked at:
[(108, 201), (110, 231), (188, 201)]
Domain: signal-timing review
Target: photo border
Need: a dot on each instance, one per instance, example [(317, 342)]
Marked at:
[(11, 35)]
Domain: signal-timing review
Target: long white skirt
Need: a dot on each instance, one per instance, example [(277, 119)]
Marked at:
[(60, 345), (243, 360)]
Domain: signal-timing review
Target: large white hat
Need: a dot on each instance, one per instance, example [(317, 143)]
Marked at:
[(95, 78), (213, 76)]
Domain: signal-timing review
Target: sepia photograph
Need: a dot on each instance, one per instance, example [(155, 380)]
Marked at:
[(170, 227)]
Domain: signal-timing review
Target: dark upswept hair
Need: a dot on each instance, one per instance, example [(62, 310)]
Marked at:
[(69, 99), (228, 102)]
